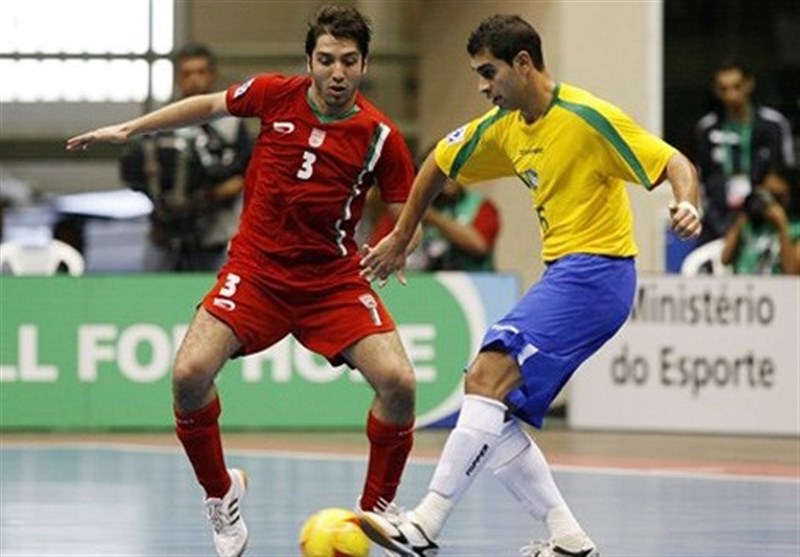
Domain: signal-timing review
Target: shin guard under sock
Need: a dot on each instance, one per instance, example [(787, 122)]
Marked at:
[(466, 451), (389, 447), (198, 432)]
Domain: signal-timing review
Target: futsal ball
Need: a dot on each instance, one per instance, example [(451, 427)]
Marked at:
[(333, 533)]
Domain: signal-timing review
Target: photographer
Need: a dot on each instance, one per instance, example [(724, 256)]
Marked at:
[(734, 145), (194, 176), (765, 236)]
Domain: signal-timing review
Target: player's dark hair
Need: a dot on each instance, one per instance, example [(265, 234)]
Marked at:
[(340, 22), (505, 36), (195, 50)]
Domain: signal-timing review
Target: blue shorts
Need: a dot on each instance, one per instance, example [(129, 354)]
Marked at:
[(581, 301)]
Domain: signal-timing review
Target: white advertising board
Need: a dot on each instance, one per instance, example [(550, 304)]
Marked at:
[(698, 354)]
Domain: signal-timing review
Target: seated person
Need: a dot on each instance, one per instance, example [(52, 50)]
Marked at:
[(460, 232), (765, 236)]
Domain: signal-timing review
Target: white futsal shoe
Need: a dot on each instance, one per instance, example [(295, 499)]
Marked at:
[(396, 532), (230, 531), (576, 545)]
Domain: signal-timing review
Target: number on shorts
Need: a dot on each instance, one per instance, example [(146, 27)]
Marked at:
[(229, 288)]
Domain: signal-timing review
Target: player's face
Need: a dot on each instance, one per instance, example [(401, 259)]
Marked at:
[(336, 68), (195, 76), (497, 81)]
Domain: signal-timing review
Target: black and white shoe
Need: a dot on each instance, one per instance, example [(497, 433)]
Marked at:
[(579, 546), (397, 532), (230, 531)]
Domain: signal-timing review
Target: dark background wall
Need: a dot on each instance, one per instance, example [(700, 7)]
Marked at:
[(700, 34)]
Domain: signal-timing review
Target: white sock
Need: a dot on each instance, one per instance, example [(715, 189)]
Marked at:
[(521, 467), (466, 451)]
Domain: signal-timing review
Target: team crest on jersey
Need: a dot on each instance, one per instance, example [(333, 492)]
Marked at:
[(242, 89), (457, 135), (316, 138), (531, 178)]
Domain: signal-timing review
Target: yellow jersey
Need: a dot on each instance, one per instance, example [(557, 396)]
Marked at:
[(575, 160)]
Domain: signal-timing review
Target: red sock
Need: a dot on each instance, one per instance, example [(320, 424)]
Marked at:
[(389, 447), (198, 432)]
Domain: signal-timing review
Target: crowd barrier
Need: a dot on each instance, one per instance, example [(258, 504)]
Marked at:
[(95, 353), (699, 354), (717, 355)]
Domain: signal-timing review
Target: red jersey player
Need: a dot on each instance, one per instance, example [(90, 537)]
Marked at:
[(293, 268)]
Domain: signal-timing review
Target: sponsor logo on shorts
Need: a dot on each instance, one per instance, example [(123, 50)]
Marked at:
[(225, 303), (505, 328)]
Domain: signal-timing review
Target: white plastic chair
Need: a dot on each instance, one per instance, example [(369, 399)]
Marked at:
[(23, 258), (706, 259)]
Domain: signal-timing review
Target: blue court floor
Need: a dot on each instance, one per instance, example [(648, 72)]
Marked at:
[(89, 499)]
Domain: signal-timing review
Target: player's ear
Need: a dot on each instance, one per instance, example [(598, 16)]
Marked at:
[(522, 60), (308, 63), (364, 66)]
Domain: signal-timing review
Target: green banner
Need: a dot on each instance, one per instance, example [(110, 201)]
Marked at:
[(96, 352)]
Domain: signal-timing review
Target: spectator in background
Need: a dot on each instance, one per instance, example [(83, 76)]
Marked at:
[(735, 144), (765, 236), (459, 231), (194, 176)]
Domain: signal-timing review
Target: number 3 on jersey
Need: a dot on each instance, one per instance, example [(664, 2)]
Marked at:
[(307, 168)]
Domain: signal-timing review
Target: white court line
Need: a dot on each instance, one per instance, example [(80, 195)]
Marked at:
[(423, 461)]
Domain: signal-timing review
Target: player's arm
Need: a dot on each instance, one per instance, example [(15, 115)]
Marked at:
[(186, 112), (394, 210), (389, 255), (682, 176)]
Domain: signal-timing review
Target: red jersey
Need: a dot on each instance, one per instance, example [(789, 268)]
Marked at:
[(307, 180)]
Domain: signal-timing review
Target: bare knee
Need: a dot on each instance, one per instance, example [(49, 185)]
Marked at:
[(396, 388), (398, 382), (493, 375), (192, 383)]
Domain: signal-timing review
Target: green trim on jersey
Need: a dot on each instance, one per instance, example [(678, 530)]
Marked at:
[(376, 146), (604, 127), (469, 147), (328, 118), (553, 99), (374, 151)]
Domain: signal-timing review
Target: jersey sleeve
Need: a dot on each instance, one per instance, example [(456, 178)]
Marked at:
[(636, 155), (394, 171), (473, 152), (250, 97)]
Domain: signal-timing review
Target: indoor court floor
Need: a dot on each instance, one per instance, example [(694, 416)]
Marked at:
[(638, 495)]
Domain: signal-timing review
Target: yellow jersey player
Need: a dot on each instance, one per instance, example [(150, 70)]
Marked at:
[(575, 153)]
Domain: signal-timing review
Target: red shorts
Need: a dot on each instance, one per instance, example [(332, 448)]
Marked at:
[(326, 322)]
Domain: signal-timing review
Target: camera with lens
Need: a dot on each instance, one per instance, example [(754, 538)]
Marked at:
[(756, 204)]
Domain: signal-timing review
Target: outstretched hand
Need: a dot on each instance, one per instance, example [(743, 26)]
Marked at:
[(108, 134), (388, 257), (685, 220)]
